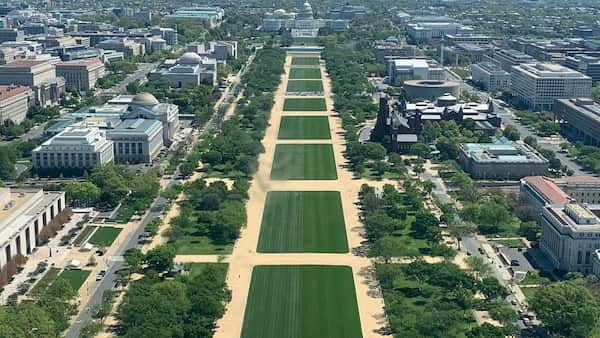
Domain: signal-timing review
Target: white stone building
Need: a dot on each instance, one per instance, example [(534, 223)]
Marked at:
[(570, 237), (14, 103), (189, 69), (23, 215), (74, 149)]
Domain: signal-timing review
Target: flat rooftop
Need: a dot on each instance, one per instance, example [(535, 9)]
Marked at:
[(27, 203), (513, 53), (585, 106), (492, 68), (501, 152), (576, 217), (550, 70)]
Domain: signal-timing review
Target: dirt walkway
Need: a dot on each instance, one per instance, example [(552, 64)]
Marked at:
[(244, 257)]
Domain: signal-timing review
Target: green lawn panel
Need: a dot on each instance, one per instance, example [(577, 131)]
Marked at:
[(305, 73), (75, 277), (295, 86), (200, 245), (304, 127), (305, 61), (303, 221), (302, 301), (304, 104), (303, 162), (104, 236)]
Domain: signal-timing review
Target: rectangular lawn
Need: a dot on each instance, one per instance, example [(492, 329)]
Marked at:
[(305, 61), (305, 73), (75, 277), (303, 162), (304, 127), (303, 221), (196, 269), (200, 245), (304, 104), (104, 236), (296, 86), (303, 301)]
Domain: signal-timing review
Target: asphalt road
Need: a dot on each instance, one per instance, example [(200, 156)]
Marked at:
[(34, 132), (139, 75), (115, 264)]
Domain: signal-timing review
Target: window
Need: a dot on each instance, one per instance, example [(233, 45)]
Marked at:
[(587, 257), (18, 243)]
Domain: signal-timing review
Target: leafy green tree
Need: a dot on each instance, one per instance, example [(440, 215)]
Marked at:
[(488, 330), (511, 132), (426, 226), (420, 149), (428, 186), (566, 308), (158, 309), (82, 194), (160, 258), (503, 313), (134, 258), (56, 300), (531, 141), (478, 266), (90, 329), (491, 288), (384, 247), (26, 320), (596, 92)]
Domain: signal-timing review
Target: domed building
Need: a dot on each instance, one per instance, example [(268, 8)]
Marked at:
[(189, 69), (190, 58), (302, 24), (306, 12), (144, 99), (146, 106), (137, 125)]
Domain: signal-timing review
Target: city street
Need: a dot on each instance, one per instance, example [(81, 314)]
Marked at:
[(139, 75), (474, 246), (117, 263), (155, 211)]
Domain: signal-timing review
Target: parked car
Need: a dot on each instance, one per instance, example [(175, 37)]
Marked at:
[(102, 273)]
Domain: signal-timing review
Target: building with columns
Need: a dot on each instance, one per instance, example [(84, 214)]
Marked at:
[(14, 103), (570, 236), (73, 149), (23, 215)]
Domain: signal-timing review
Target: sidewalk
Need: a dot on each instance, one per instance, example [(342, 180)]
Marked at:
[(51, 253)]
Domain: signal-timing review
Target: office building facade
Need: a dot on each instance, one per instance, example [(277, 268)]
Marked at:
[(81, 75), (539, 85), (580, 119), (490, 76)]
